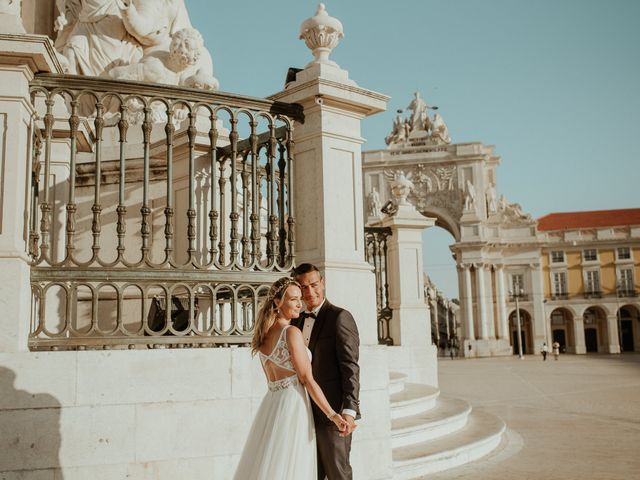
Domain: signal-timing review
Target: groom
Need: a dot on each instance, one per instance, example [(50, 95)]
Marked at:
[(332, 336)]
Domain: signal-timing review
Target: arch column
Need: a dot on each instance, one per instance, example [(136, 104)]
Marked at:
[(468, 305), (578, 335), (501, 304), (481, 301), (436, 320), (613, 334), (491, 315)]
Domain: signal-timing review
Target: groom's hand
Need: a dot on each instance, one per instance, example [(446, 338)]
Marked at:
[(351, 425)]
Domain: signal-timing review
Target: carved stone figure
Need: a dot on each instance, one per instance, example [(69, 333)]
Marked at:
[(439, 130), (374, 202), (399, 132), (98, 35), (171, 67), (445, 177), (401, 186), (419, 116), (492, 205), (10, 7), (470, 196), (92, 36), (512, 212), (154, 24)]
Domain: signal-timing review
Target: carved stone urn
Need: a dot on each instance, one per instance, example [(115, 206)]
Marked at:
[(321, 33)]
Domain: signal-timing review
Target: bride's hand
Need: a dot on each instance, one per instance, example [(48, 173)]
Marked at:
[(339, 421)]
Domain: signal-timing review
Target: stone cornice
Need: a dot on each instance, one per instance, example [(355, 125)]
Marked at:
[(340, 95), (36, 51)]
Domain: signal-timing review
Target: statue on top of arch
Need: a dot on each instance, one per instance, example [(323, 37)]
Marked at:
[(419, 125), (99, 37)]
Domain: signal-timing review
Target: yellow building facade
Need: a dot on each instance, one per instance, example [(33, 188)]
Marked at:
[(590, 270)]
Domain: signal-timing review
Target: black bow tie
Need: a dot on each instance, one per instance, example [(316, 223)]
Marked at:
[(304, 315)]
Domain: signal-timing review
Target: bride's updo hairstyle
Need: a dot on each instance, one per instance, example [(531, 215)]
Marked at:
[(269, 310)]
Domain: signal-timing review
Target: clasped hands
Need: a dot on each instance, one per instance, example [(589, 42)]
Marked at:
[(345, 423)]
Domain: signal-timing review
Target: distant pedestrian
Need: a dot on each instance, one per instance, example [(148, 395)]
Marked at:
[(544, 351), (556, 350)]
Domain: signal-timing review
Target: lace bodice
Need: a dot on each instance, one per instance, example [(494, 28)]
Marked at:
[(280, 354), (282, 358)]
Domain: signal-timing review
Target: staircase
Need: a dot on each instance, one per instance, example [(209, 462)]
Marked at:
[(430, 433)]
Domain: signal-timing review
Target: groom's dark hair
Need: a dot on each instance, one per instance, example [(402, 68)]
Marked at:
[(305, 268)]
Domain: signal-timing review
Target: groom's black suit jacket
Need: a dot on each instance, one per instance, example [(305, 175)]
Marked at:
[(334, 344)]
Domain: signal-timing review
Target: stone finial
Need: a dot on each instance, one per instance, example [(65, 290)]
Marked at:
[(321, 33)]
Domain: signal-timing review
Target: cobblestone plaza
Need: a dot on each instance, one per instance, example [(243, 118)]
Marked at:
[(575, 418)]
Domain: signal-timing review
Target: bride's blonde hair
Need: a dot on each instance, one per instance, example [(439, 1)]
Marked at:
[(269, 310)]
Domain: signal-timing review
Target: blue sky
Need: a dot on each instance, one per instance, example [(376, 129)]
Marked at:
[(554, 85)]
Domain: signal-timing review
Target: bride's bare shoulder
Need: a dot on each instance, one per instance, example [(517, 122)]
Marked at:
[(294, 334)]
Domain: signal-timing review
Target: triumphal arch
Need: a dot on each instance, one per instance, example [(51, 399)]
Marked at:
[(495, 249)]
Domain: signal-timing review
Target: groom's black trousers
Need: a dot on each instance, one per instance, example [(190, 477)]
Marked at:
[(333, 453)]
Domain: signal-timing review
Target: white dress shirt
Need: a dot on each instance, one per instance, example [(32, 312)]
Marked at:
[(309, 322)]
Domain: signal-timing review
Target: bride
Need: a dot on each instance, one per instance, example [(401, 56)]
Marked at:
[(282, 439)]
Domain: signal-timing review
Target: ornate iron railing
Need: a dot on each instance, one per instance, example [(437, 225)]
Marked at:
[(159, 215), (376, 255)]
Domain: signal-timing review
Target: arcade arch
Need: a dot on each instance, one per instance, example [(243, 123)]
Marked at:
[(629, 328), (526, 330), (562, 329), (596, 335)]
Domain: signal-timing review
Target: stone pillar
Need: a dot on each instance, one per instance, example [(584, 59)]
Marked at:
[(469, 333), (491, 322), (578, 335), (406, 284), (481, 301), (503, 321), (329, 213), (539, 323), (328, 186), (613, 334), (21, 56), (436, 321)]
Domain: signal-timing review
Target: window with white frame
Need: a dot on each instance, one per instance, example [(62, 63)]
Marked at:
[(624, 253), (559, 283), (626, 279), (592, 281), (557, 256), (517, 283), (590, 255)]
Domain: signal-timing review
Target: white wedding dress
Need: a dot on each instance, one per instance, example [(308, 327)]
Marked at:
[(282, 439)]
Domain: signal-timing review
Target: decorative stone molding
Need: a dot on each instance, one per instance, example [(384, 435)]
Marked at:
[(321, 34)]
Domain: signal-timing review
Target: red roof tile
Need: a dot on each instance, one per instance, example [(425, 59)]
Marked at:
[(592, 219)]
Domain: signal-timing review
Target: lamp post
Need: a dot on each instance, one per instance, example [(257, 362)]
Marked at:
[(516, 294)]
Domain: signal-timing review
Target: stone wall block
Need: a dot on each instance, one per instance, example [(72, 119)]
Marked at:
[(170, 431), (24, 377), (139, 376)]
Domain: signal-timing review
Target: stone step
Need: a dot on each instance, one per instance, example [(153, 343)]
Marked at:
[(396, 382), (413, 399), (482, 433), (447, 416)]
